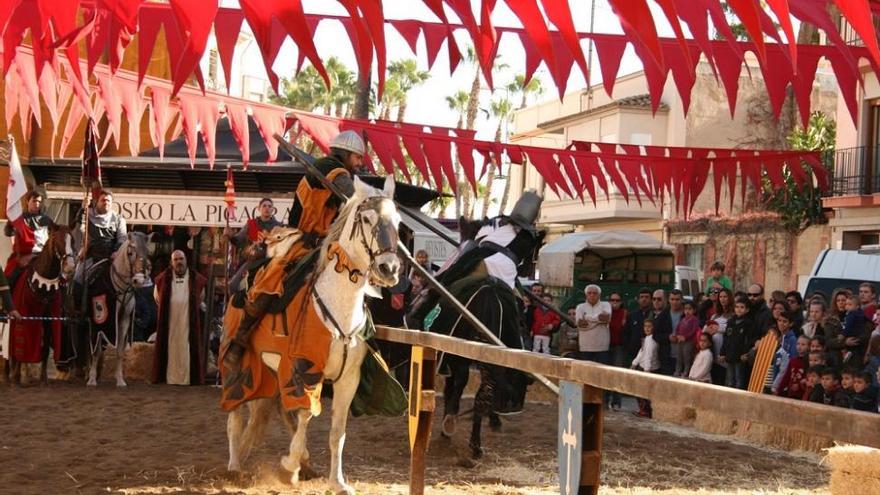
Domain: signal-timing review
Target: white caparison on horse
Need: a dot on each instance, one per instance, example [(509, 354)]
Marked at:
[(359, 250), (127, 273)]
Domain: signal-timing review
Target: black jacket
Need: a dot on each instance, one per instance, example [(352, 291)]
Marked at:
[(634, 330), (762, 316), (740, 336), (865, 401)]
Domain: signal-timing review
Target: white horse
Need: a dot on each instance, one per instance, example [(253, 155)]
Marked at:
[(366, 232), (127, 273)]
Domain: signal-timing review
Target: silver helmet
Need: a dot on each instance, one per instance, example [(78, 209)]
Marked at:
[(526, 210)]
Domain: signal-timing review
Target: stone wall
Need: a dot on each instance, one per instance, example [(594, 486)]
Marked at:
[(753, 247)]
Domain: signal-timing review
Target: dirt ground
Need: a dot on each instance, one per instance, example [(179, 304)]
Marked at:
[(160, 439)]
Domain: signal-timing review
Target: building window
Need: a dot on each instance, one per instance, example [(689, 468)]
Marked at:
[(212, 69), (693, 255)]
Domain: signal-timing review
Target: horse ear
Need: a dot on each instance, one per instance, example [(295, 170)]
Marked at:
[(389, 186), (358, 186), (150, 236)]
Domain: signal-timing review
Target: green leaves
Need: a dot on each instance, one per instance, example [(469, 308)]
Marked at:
[(800, 208)]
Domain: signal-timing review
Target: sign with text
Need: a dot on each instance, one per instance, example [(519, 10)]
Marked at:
[(193, 211)]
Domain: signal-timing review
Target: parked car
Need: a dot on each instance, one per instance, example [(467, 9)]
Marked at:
[(836, 268), (688, 280)]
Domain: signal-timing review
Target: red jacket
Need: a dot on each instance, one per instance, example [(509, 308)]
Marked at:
[(541, 318), (616, 324), (795, 373)]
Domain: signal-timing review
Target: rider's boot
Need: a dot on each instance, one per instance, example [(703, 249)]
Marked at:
[(253, 313)]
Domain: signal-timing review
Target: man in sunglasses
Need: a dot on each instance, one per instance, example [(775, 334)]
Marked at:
[(758, 308), (662, 330), (634, 329)]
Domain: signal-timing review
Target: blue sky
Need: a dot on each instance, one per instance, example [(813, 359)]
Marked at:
[(427, 102)]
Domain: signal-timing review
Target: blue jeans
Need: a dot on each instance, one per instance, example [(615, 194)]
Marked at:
[(601, 357), (737, 376)]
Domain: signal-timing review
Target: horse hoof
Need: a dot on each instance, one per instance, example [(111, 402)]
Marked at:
[(121, 384), (447, 428), (343, 489), (467, 462), (92, 383)]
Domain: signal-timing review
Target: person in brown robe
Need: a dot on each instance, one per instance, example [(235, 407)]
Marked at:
[(179, 291)]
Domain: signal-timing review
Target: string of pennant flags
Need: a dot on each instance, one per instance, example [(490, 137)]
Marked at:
[(62, 26), (580, 171)]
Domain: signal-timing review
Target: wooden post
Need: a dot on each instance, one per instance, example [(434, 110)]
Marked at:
[(580, 438), (421, 413), (591, 441)]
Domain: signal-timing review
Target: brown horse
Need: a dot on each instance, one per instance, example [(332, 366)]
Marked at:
[(37, 293)]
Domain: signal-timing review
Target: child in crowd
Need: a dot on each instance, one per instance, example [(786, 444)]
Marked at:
[(568, 336), (816, 358), (852, 334), (818, 344), (719, 371), (794, 379), (717, 276), (544, 323), (829, 391), (779, 363), (785, 322), (738, 340), (701, 370), (814, 374), (683, 339), (648, 360), (847, 377), (864, 396)]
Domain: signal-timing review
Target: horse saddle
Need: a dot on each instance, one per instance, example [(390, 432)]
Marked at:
[(293, 280), (97, 272)]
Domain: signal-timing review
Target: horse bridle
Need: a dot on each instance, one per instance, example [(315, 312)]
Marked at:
[(60, 256), (124, 287), (375, 232)]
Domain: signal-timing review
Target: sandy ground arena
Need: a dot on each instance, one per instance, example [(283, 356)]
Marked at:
[(159, 439)]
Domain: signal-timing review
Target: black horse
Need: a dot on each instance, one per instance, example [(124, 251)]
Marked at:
[(496, 305)]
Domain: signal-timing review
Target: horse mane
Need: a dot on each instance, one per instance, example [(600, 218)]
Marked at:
[(43, 263), (335, 231)]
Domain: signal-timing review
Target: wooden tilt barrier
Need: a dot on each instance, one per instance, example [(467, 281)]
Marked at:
[(842, 425)]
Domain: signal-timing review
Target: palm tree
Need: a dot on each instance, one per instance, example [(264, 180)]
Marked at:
[(500, 109), (391, 97), (520, 87), (408, 76), (458, 102), (306, 91)]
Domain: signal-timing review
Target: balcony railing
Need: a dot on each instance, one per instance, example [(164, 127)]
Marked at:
[(849, 35), (856, 171)]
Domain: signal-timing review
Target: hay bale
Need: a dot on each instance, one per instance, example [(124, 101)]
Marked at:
[(717, 423), (669, 412), (855, 470), (138, 362)]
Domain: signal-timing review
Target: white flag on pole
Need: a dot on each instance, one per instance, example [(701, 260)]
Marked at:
[(17, 187)]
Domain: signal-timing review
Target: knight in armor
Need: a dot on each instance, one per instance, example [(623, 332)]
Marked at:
[(250, 239), (502, 244), (107, 231), (314, 210), (30, 232)]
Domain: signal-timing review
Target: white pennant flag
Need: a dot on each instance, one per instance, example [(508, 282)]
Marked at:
[(17, 187)]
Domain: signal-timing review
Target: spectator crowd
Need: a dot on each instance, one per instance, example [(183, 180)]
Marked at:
[(827, 346)]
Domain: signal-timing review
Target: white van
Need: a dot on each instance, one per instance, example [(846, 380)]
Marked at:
[(836, 268), (688, 280)]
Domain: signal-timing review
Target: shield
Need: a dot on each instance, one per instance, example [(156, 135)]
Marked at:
[(100, 312)]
